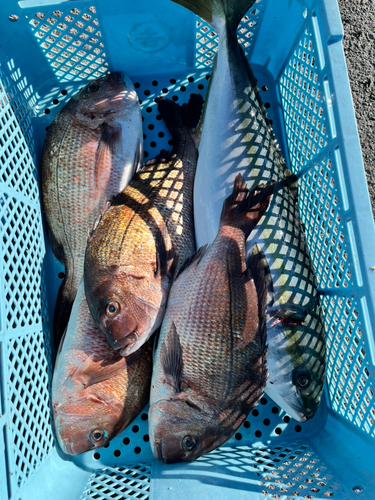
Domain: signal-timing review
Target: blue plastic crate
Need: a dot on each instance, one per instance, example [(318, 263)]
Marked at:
[(50, 49)]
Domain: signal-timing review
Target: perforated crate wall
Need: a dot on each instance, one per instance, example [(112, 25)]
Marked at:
[(72, 42), (207, 39), (315, 156), (25, 345)]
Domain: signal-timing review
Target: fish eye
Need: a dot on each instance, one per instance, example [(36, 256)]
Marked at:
[(96, 435), (303, 381), (188, 443), (112, 308), (93, 87)]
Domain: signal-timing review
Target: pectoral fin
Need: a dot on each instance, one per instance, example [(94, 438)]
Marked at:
[(171, 359), (108, 141), (92, 372)]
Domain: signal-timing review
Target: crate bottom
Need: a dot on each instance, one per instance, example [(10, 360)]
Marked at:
[(336, 463)]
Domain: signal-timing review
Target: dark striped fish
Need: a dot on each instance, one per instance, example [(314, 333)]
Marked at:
[(131, 256), (210, 363)]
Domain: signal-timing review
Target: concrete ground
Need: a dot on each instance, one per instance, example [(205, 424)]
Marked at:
[(358, 18)]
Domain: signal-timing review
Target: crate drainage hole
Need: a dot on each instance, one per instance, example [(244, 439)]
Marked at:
[(358, 489)]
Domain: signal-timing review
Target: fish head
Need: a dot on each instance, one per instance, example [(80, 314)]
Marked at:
[(127, 304), (105, 100), (296, 364), (182, 430), (87, 422)]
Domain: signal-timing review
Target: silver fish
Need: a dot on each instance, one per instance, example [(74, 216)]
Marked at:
[(235, 137)]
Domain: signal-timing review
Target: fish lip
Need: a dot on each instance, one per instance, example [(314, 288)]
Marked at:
[(67, 448), (300, 412), (131, 338), (159, 450)]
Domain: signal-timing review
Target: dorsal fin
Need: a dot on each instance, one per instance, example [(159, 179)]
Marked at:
[(185, 116), (258, 267), (244, 208), (166, 260), (193, 259)]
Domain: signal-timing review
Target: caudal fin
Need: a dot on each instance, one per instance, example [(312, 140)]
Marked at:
[(244, 208), (216, 12), (178, 117)]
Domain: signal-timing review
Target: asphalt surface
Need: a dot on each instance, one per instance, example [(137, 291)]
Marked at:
[(358, 19)]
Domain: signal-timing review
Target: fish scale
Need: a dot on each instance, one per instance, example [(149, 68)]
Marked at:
[(144, 237), (152, 190), (89, 155), (93, 381), (209, 365)]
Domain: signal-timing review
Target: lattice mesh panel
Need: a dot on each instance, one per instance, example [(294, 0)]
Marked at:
[(207, 39), (17, 168), (303, 104), (23, 250), (321, 213), (27, 358), (349, 383), (71, 42), (284, 471), (119, 483), (15, 91), (29, 367)]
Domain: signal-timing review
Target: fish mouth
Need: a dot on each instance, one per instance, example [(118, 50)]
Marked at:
[(69, 449), (126, 341), (159, 450), (291, 403), (130, 342)]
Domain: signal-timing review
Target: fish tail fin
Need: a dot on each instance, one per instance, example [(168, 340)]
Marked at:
[(214, 12), (64, 304), (178, 117), (244, 208)]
